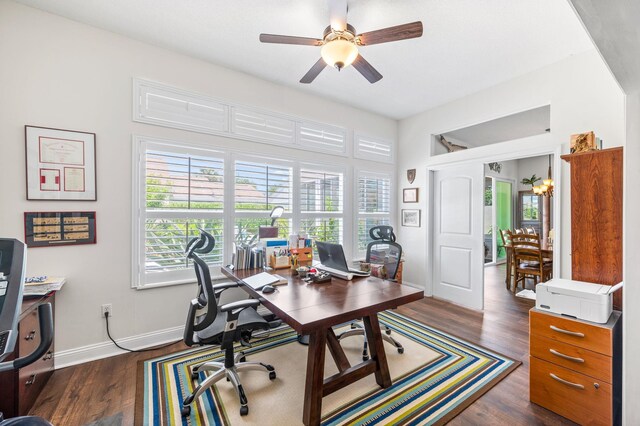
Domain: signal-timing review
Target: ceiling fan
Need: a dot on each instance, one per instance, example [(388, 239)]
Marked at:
[(340, 42)]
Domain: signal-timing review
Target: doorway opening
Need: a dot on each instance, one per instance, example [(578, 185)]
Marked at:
[(510, 204)]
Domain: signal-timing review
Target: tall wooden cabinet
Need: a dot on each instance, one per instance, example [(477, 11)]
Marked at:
[(596, 217)]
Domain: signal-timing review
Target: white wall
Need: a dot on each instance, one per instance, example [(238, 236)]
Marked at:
[(583, 96), (62, 74), (631, 299), (527, 167)]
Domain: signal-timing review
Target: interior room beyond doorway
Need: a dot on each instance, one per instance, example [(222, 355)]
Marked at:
[(510, 204)]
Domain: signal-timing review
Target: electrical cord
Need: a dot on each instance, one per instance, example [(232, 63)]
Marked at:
[(106, 318)]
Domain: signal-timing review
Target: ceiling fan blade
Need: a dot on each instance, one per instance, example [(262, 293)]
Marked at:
[(399, 32), (365, 68), (338, 14), (313, 72), (284, 39)]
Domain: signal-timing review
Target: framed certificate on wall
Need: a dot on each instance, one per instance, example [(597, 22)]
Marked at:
[(61, 164)]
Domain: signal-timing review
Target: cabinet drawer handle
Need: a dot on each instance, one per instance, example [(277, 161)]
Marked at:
[(573, 385), (570, 358), (31, 335), (31, 380), (49, 355), (570, 333)]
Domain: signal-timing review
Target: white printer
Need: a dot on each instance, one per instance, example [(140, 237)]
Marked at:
[(586, 301)]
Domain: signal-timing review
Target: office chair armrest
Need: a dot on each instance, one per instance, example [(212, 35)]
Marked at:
[(219, 288), (233, 309)]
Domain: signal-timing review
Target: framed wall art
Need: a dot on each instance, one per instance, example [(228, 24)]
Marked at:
[(411, 217), (46, 229), (61, 164), (410, 195)]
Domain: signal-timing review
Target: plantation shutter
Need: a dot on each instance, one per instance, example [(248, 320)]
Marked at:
[(183, 194)]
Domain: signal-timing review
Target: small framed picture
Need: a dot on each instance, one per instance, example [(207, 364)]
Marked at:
[(410, 195), (61, 164), (55, 229), (411, 217)]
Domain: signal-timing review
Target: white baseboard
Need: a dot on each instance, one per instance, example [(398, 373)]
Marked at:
[(107, 349)]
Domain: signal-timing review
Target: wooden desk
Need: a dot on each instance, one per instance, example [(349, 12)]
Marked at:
[(314, 309), (546, 254)]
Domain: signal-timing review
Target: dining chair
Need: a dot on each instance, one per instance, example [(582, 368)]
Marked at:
[(528, 261)]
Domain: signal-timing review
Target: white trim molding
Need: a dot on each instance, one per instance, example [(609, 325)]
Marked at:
[(107, 349)]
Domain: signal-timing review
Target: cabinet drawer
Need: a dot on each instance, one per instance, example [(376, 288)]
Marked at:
[(28, 334), (31, 380), (575, 396), (573, 357), (578, 333)]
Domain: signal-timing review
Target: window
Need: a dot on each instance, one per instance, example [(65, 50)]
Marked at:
[(321, 204), (183, 191), (259, 187), (180, 188), (374, 206)]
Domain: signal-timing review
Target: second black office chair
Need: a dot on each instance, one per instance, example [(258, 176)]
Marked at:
[(219, 325), (382, 250)]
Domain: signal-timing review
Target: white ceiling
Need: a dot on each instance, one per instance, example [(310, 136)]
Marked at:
[(468, 45)]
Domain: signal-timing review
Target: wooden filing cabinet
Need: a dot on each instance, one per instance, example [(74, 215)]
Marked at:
[(19, 389), (576, 367)]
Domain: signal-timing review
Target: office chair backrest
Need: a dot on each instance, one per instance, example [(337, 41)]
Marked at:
[(382, 232), (206, 296), (384, 249)]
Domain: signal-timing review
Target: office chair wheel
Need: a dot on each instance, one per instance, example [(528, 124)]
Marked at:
[(388, 331), (185, 411), (400, 350), (195, 376), (272, 375), (244, 410)]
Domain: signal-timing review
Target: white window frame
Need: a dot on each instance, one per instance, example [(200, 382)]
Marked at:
[(139, 212), (261, 214), (342, 214), (365, 173)]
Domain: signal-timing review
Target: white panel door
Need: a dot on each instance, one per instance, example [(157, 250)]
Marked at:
[(458, 249)]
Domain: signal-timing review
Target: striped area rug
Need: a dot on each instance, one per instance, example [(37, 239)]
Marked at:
[(436, 378)]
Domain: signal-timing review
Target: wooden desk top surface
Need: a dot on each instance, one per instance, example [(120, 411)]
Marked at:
[(306, 307)]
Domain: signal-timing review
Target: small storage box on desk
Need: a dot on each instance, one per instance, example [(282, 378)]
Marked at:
[(576, 367)]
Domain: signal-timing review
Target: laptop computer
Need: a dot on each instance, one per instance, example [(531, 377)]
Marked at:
[(332, 260)]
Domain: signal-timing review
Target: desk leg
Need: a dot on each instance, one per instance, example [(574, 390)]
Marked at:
[(376, 350), (315, 378)]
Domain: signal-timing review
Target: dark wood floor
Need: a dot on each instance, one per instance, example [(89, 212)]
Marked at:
[(82, 394)]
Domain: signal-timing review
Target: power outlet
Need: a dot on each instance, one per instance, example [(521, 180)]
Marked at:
[(107, 308)]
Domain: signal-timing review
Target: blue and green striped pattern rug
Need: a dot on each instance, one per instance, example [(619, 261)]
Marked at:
[(437, 377)]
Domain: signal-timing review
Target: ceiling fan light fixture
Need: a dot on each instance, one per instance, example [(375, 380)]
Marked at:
[(339, 53)]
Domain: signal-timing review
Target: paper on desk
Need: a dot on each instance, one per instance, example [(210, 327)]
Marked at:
[(47, 286)]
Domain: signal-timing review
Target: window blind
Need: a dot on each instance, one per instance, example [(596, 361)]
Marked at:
[(260, 187), (374, 206), (370, 148), (183, 193), (320, 191), (321, 137)]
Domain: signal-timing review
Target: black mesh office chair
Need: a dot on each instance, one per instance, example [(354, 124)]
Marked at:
[(219, 325), (382, 250)]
